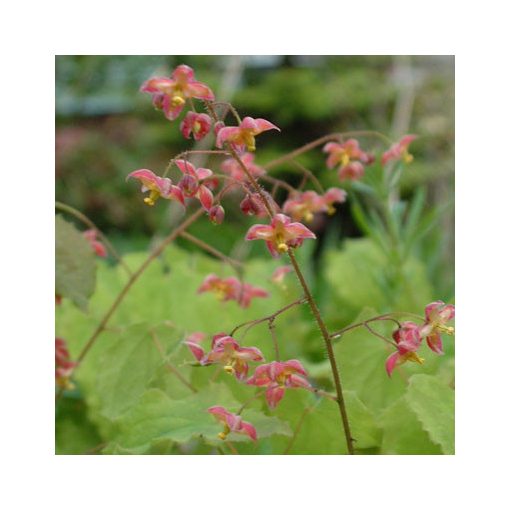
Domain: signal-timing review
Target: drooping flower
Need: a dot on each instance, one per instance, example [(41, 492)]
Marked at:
[(437, 314), (170, 94), (280, 235), (279, 274), (408, 339), (227, 352), (243, 136), (349, 158), (196, 124), (232, 423), (253, 205), (217, 214), (231, 289), (158, 186), (63, 364), (192, 183), (232, 168), (277, 376), (97, 246), (399, 150), (303, 206)]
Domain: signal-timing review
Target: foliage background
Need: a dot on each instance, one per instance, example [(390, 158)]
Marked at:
[(105, 129)]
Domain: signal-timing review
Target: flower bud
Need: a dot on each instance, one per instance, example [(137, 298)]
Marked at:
[(217, 214), (189, 185)]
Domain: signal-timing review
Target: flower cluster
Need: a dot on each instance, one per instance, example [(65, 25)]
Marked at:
[(303, 206), (349, 158), (63, 365), (231, 289), (408, 337)]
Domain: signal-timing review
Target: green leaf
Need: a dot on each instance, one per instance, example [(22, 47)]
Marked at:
[(403, 434), (433, 403), (127, 367), (157, 417), (75, 264), (361, 357)]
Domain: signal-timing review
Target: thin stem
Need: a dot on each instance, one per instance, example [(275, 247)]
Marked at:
[(185, 154), (251, 399), (134, 277), (297, 429), (229, 107), (319, 141), (279, 182), (207, 247), (169, 366), (232, 447), (329, 347), (378, 335), (269, 317), (271, 327), (310, 175), (84, 219)]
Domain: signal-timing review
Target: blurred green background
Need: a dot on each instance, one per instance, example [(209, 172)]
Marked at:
[(106, 128)]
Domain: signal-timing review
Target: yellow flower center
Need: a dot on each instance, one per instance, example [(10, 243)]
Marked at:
[(308, 216), (406, 157), (153, 196), (196, 127), (229, 368), (449, 330), (249, 140), (226, 431), (344, 159), (412, 356), (177, 99)]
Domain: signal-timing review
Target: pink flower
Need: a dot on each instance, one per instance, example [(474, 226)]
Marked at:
[(97, 246), (248, 292), (233, 423), (233, 168), (408, 339), (170, 94), (279, 274), (304, 205), (63, 364), (277, 377), (217, 214), (196, 124), (193, 342), (243, 136), (191, 183), (353, 171), (231, 288), (227, 352), (348, 157), (437, 314), (280, 235), (158, 186), (399, 150), (252, 204)]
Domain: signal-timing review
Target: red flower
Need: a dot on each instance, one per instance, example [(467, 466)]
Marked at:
[(303, 206), (192, 183), (158, 186), (233, 168), (170, 94), (231, 289), (63, 364), (278, 376), (227, 352), (437, 314), (408, 339), (243, 136), (349, 158), (233, 423), (196, 124), (280, 234), (97, 246), (399, 150)]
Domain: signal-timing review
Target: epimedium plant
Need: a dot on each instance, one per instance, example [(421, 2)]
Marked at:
[(120, 404)]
